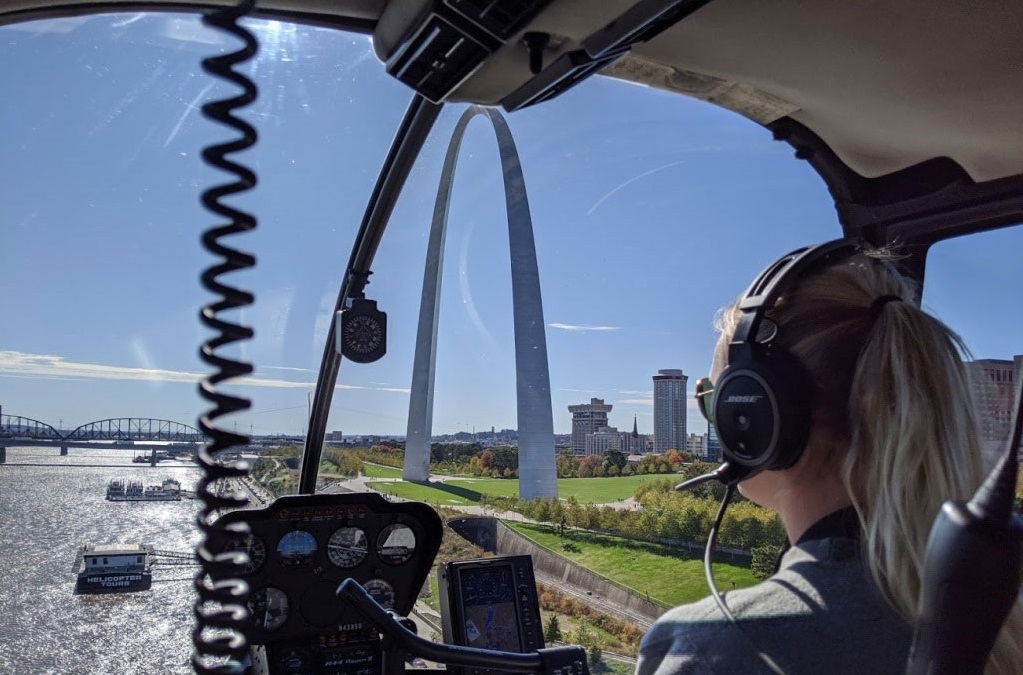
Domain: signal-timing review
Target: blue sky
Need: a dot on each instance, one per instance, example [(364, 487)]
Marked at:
[(650, 212)]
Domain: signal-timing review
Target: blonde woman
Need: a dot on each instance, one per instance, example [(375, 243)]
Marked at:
[(888, 437)]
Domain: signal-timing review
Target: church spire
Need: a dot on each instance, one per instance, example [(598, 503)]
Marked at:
[(635, 431)]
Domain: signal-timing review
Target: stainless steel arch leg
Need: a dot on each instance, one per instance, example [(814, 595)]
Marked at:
[(537, 477)]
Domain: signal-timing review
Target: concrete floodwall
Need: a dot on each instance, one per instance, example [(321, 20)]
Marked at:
[(549, 564)]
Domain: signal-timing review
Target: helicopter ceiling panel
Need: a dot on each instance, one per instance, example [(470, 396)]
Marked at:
[(301, 547)]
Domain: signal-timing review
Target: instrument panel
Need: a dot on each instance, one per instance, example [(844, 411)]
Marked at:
[(301, 547)]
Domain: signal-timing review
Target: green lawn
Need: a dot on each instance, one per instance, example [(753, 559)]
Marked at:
[(468, 490), (435, 493), (664, 574), (380, 471)]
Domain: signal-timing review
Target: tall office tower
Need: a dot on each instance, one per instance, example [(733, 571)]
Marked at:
[(586, 419), (669, 410), (993, 389)]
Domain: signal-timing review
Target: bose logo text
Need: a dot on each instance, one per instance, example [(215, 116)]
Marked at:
[(743, 399)]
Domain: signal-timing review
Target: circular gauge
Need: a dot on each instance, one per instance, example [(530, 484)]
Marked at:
[(363, 334), (347, 547), (380, 591), (269, 607), (254, 547), (396, 544), (297, 548)]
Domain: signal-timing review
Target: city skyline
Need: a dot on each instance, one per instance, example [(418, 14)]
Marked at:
[(992, 385)]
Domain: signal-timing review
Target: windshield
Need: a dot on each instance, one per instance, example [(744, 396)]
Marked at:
[(649, 213)]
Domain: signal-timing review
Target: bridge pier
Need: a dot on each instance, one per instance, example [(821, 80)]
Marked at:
[(3, 455), (63, 451), (152, 457)]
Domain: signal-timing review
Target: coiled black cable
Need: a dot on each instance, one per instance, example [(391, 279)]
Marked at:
[(221, 610)]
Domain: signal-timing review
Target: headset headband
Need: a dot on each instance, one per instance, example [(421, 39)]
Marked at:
[(769, 284)]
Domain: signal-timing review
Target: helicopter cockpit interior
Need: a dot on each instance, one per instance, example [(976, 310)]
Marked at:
[(339, 124)]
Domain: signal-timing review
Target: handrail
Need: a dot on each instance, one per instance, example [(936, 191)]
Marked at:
[(405, 148)]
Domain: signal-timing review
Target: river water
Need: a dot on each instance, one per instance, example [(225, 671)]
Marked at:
[(46, 513)]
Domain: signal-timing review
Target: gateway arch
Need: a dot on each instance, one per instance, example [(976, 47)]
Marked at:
[(537, 473)]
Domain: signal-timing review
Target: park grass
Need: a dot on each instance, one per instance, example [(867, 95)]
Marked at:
[(466, 491), (439, 494), (380, 471), (667, 575)]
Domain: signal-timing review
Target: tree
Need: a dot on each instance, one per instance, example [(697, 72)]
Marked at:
[(487, 459), (764, 560), (587, 465), (552, 631), (567, 466), (596, 658), (615, 458)]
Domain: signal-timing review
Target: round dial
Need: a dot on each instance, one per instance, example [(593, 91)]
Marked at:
[(347, 547), (297, 547), (363, 334), (254, 547), (381, 591), (396, 544), (269, 607)]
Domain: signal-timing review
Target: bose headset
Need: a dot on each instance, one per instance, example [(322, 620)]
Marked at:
[(761, 401)]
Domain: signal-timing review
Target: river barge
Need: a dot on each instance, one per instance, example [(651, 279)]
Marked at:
[(114, 568), (132, 491)]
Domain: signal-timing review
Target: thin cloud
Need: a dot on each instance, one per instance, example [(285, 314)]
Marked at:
[(630, 182), (580, 391), (581, 327), (298, 370), (49, 366), (690, 402)]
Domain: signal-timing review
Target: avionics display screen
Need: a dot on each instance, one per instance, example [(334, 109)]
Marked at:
[(488, 607)]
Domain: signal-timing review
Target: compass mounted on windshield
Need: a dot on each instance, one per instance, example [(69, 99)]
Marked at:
[(362, 331)]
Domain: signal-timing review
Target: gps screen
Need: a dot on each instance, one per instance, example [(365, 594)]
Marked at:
[(488, 599)]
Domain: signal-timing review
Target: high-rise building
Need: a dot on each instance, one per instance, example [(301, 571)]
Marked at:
[(993, 389), (713, 444), (587, 418), (669, 410)]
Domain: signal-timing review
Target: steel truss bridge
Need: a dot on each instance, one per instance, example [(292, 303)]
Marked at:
[(120, 429)]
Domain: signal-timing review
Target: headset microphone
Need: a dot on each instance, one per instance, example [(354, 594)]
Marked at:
[(726, 473)]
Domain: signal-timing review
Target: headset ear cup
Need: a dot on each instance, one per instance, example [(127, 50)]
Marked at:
[(759, 414), (792, 388)]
